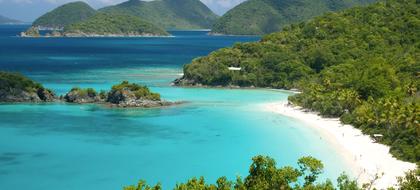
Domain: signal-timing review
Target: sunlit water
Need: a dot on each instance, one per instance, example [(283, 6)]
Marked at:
[(50, 146)]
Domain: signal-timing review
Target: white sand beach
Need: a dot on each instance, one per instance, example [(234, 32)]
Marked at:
[(366, 157)]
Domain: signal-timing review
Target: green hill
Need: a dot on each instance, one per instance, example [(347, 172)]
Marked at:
[(256, 17), (64, 15), (361, 65), (168, 14), (109, 24), (5, 20)]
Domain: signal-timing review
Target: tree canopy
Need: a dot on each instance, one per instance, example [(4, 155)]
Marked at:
[(114, 24), (168, 14), (64, 15), (265, 175)]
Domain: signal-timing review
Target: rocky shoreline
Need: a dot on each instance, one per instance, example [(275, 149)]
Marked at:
[(34, 32), (125, 100), (15, 88), (121, 98), (17, 95)]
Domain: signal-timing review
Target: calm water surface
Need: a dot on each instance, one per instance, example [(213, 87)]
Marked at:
[(45, 146)]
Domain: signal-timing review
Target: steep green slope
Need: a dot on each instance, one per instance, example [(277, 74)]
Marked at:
[(110, 24), (5, 20), (256, 17), (65, 14), (362, 64), (168, 14)]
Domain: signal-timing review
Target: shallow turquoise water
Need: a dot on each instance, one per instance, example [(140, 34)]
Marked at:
[(45, 146)]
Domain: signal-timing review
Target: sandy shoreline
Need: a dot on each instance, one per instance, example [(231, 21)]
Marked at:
[(364, 156)]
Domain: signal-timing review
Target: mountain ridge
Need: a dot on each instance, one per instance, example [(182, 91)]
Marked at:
[(6, 20), (257, 17), (168, 14)]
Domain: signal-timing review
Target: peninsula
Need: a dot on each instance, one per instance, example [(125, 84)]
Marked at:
[(358, 65)]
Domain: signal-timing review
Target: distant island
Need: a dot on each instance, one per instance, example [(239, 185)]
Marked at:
[(64, 15), (133, 18), (257, 17), (6, 20), (104, 25), (15, 87), (359, 64), (168, 14), (107, 24)]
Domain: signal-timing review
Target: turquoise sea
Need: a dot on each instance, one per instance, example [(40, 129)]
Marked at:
[(50, 146)]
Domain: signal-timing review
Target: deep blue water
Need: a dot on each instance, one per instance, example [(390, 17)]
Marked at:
[(46, 146)]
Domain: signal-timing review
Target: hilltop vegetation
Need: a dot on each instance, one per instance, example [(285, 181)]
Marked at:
[(108, 24), (64, 15), (168, 14), (256, 17), (361, 65)]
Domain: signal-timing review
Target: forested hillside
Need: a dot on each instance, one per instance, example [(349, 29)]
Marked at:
[(64, 15), (168, 14), (361, 65), (108, 24), (256, 17)]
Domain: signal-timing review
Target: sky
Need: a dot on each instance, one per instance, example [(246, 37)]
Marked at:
[(29, 10)]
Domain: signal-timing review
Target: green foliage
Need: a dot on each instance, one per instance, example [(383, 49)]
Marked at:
[(311, 167), (361, 64), (256, 17), (114, 24), (168, 14), (143, 186), (14, 81), (410, 181), (64, 15), (265, 175), (141, 92), (85, 91)]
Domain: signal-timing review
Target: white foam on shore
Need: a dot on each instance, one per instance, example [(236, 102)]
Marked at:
[(366, 158)]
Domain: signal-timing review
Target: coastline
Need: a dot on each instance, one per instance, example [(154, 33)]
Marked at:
[(366, 158)]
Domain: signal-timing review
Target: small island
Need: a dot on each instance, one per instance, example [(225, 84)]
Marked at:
[(15, 87), (121, 95), (104, 25)]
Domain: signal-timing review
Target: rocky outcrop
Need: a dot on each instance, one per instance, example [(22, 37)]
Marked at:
[(121, 95), (15, 87), (31, 32), (127, 98), (185, 82), (19, 95), (82, 96), (46, 95)]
